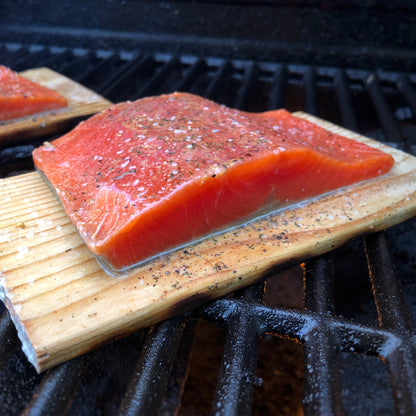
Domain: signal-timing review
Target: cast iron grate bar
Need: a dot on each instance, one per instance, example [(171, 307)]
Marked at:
[(98, 73), (297, 325), (52, 60), (388, 297), (33, 59), (320, 353), (251, 73), (77, 66), (393, 315), (119, 85), (151, 376), (154, 82), (237, 375), (191, 75), (311, 102), (392, 310), (389, 123), (218, 80), (407, 91), (172, 398), (57, 389), (11, 57), (277, 93), (321, 359), (343, 95)]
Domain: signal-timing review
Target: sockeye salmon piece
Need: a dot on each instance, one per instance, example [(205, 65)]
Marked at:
[(143, 177), (20, 97)]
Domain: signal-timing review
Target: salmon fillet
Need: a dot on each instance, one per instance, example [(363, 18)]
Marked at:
[(20, 97), (143, 177)]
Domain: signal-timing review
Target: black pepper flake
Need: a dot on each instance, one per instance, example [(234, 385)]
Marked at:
[(125, 173)]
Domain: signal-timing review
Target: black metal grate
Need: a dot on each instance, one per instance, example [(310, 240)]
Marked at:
[(350, 318)]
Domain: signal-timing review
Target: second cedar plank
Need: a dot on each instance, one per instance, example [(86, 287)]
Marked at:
[(64, 305), (82, 102)]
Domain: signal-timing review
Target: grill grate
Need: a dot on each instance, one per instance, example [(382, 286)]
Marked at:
[(355, 321)]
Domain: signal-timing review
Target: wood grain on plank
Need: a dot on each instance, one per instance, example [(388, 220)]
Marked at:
[(64, 304), (82, 102)]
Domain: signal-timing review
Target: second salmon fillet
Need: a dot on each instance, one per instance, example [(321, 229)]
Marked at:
[(143, 177), (20, 97)]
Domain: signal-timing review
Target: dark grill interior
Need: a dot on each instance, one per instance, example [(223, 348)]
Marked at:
[(330, 336)]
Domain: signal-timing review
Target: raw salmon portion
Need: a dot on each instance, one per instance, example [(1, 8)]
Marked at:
[(145, 176), (21, 97)]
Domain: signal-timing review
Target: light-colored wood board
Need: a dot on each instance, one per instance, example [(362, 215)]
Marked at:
[(82, 102), (64, 304)]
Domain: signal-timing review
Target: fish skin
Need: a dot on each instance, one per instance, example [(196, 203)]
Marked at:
[(162, 171), (20, 97)]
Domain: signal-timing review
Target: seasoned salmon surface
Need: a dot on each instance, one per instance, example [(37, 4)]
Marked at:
[(143, 177), (20, 97)]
